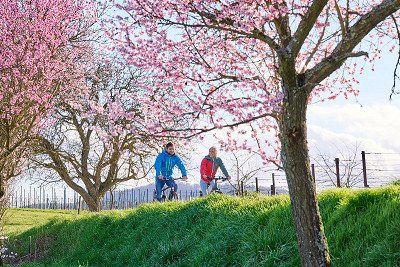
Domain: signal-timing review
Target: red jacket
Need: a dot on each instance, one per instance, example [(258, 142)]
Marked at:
[(209, 167)]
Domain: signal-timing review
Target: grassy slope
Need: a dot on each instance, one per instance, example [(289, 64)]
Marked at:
[(17, 221), (362, 227)]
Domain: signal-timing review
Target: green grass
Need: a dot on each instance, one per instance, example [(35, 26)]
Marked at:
[(362, 227), (17, 221)]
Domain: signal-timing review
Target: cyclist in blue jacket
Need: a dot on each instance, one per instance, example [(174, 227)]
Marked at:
[(164, 165)]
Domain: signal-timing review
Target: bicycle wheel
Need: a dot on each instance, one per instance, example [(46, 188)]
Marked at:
[(163, 197), (154, 195), (171, 194)]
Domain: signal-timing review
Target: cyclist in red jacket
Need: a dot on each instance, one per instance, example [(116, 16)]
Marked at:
[(208, 169)]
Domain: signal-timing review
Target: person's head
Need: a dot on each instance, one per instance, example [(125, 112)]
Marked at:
[(212, 152), (169, 147)]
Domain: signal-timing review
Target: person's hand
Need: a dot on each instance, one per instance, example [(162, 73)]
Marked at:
[(204, 176), (184, 178), (229, 178), (161, 177)]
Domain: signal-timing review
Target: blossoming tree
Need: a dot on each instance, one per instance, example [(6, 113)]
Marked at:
[(98, 140), (257, 64), (40, 45)]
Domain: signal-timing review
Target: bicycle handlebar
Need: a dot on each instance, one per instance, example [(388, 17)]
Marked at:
[(180, 178), (172, 178), (218, 178)]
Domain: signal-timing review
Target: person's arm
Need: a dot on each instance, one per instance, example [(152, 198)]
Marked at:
[(223, 169), (203, 167), (181, 166), (157, 165)]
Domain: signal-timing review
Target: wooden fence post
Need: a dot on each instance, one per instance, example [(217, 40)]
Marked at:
[(273, 186), (65, 197), (364, 167), (34, 198), (257, 191), (40, 197), (79, 205), (111, 199), (20, 200), (44, 197), (337, 172), (29, 197)]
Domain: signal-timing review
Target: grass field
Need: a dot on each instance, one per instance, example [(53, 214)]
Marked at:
[(362, 227)]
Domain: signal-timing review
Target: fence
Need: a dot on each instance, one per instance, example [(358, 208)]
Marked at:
[(354, 172), (370, 169), (39, 198)]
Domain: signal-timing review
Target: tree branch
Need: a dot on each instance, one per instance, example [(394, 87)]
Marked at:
[(395, 76), (305, 26), (356, 33), (255, 33), (199, 131)]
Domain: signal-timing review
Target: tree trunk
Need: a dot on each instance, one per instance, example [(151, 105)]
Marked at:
[(2, 187), (111, 199), (94, 207), (94, 203), (312, 243)]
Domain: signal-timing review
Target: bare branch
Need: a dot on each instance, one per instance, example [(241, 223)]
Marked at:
[(395, 76), (355, 34)]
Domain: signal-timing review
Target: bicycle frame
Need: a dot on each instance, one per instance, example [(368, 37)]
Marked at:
[(215, 188), (172, 195)]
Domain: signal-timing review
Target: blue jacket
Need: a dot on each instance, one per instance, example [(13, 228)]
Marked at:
[(165, 163)]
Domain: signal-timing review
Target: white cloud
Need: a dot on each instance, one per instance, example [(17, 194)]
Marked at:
[(375, 127)]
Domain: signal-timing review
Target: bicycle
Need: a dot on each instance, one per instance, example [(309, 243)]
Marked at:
[(172, 195), (215, 188)]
